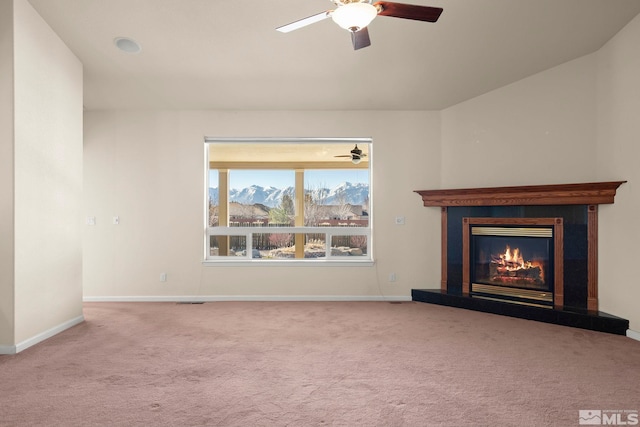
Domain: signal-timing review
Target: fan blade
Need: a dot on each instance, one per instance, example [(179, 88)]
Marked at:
[(351, 155), (360, 39), (408, 11), (305, 21)]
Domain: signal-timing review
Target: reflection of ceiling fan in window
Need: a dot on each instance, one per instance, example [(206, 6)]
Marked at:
[(356, 155), (356, 15)]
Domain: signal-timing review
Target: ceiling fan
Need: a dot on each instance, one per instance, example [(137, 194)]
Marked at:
[(356, 15), (356, 155)]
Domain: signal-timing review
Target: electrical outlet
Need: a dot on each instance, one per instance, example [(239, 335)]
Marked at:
[(392, 277), (163, 277), (91, 220)]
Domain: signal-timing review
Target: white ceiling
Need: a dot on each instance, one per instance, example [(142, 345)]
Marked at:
[(214, 54)]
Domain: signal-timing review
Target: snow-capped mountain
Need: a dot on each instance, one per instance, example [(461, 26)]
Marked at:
[(269, 196), (355, 194)]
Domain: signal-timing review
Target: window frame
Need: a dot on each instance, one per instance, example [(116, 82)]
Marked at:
[(329, 259)]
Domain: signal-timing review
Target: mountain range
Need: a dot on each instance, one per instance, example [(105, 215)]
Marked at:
[(354, 194)]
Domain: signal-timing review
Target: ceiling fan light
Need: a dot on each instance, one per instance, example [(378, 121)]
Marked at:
[(356, 159), (354, 16)]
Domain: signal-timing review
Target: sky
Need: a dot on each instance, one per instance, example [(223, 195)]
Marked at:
[(286, 178)]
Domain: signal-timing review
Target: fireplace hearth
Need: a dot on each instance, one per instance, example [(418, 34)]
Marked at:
[(526, 252)]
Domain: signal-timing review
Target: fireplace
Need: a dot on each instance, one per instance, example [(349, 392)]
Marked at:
[(529, 251), (519, 260)]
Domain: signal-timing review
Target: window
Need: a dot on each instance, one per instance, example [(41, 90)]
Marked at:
[(286, 200)]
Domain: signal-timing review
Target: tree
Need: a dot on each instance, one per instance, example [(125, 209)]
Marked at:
[(284, 213), (280, 240), (314, 199), (213, 212), (342, 210), (358, 242)]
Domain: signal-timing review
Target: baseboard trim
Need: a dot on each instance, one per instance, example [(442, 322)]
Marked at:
[(633, 334), (214, 298), (46, 334), (7, 349)]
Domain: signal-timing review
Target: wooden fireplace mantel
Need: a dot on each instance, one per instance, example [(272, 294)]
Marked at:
[(590, 194), (593, 193)]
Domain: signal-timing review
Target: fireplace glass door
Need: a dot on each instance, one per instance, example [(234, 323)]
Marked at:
[(512, 262)]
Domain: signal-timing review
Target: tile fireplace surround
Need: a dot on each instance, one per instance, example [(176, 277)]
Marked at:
[(573, 208)]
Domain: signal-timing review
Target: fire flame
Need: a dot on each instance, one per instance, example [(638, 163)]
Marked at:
[(513, 260)]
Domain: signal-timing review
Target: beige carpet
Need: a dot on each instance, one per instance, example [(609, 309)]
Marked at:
[(315, 364)]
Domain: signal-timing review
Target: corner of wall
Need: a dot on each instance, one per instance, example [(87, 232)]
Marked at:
[(47, 177), (7, 300)]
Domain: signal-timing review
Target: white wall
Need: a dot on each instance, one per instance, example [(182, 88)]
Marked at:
[(147, 167), (540, 130), (6, 174), (618, 156), (48, 179)]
